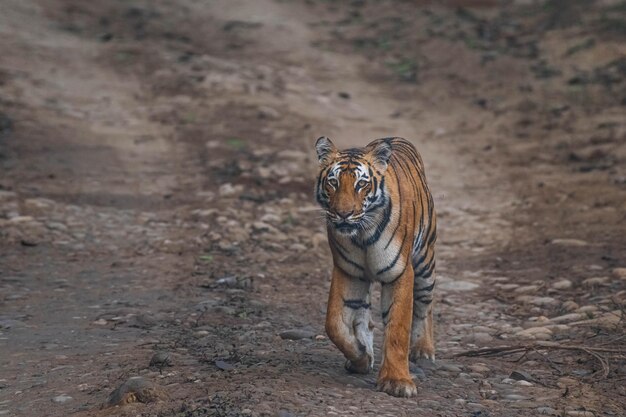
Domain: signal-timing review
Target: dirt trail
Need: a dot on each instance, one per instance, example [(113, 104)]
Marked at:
[(155, 196)]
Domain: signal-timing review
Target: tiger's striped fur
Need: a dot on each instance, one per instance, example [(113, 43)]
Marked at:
[(381, 227)]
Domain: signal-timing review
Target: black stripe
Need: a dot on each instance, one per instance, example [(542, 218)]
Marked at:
[(356, 304), (424, 299), (425, 289), (425, 268), (381, 226), (343, 256)]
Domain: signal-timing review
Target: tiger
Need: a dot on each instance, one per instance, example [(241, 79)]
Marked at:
[(381, 227)]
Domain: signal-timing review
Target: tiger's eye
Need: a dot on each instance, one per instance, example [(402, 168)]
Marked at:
[(361, 184), (333, 183)]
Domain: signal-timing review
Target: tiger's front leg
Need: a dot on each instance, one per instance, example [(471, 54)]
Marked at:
[(397, 309), (348, 321)]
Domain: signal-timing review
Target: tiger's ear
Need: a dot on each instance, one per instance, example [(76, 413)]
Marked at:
[(326, 150), (381, 152)]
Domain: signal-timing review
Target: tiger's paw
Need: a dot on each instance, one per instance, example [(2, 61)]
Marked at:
[(397, 387), (363, 365), (424, 348)]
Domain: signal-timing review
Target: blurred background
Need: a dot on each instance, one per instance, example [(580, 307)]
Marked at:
[(161, 252)]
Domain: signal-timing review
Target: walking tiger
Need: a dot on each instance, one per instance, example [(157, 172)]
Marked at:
[(381, 227)]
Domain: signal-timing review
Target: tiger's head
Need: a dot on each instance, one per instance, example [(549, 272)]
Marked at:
[(351, 184)]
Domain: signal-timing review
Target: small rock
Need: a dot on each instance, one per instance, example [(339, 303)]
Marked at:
[(538, 301), (546, 411), (224, 366), (619, 273), (521, 376), (526, 289), (569, 242), (270, 113), (514, 397), (475, 406), (448, 367), (297, 334), (482, 338), (479, 367), (136, 389), (562, 284), (100, 322), (524, 384), (60, 399), (569, 305), (229, 190), (535, 333), (595, 281), (161, 360), (566, 318)]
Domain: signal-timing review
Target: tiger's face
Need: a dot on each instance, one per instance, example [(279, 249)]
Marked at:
[(351, 184)]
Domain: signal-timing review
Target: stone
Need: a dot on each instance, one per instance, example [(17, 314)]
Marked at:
[(619, 273), (514, 397), (478, 367), (562, 284), (570, 306), (535, 333), (136, 389), (526, 289), (229, 190), (60, 399), (161, 360), (297, 334), (595, 281), (475, 406), (566, 318), (521, 376), (524, 383), (456, 285), (546, 411), (538, 301), (266, 112), (569, 242)]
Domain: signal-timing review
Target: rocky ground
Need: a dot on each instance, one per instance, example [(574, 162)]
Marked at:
[(160, 250)]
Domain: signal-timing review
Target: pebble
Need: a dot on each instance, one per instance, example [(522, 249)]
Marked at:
[(475, 406), (481, 337), (538, 301), (524, 383), (569, 242), (63, 398), (546, 411), (562, 284), (136, 389), (566, 318), (619, 273), (479, 367), (570, 305), (449, 367), (595, 281), (535, 333), (297, 334), (526, 289), (514, 397), (161, 359)]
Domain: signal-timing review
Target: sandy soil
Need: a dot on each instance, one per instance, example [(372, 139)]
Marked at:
[(156, 176)]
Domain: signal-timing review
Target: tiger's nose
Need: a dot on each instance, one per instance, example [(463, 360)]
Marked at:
[(344, 214)]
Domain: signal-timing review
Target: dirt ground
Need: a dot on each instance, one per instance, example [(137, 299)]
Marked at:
[(156, 177)]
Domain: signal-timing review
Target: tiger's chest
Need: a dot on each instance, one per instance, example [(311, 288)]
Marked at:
[(379, 260)]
